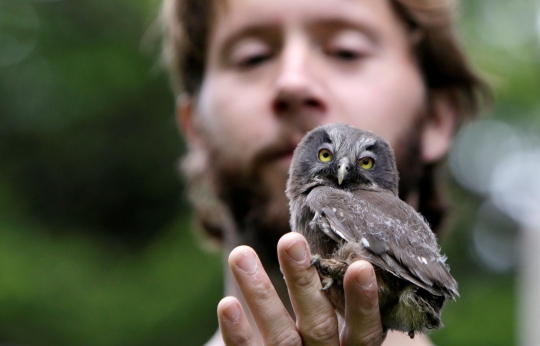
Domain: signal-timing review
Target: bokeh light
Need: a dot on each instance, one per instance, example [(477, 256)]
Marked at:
[(478, 149), (496, 239)]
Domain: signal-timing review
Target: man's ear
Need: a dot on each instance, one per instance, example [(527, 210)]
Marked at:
[(439, 128), (185, 119)]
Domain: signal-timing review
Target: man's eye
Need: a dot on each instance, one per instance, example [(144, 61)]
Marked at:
[(253, 61), (250, 52), (348, 45), (345, 54)]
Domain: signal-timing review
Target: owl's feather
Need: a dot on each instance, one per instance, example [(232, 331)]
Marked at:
[(362, 217)]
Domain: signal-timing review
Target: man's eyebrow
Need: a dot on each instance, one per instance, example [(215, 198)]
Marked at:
[(331, 25)]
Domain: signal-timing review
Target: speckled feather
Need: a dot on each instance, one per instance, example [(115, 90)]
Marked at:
[(363, 218)]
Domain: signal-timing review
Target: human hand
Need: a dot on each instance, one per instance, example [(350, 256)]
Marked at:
[(316, 321)]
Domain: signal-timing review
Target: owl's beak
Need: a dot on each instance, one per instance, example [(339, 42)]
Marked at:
[(343, 168)]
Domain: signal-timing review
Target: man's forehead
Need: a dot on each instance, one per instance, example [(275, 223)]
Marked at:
[(277, 12), (238, 18)]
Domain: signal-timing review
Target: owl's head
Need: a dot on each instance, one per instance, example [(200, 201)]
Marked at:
[(344, 157)]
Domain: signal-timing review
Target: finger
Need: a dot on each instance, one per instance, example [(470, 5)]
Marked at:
[(315, 316), (273, 320), (233, 323), (362, 316)]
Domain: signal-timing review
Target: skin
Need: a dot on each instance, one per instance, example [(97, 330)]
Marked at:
[(275, 70)]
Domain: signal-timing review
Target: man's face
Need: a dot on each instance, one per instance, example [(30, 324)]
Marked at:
[(277, 69)]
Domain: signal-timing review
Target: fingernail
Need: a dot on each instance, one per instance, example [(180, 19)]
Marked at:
[(297, 251), (247, 262), (365, 277), (232, 313)]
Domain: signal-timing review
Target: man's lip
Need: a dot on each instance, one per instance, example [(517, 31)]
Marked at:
[(284, 157), (281, 151)]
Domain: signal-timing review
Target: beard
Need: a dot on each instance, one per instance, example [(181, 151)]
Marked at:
[(409, 160), (258, 207), (247, 202)]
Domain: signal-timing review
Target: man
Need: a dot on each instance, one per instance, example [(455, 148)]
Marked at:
[(252, 78)]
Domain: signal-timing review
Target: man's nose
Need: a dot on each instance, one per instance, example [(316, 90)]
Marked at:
[(296, 83)]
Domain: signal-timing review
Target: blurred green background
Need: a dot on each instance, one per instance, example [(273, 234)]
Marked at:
[(95, 239)]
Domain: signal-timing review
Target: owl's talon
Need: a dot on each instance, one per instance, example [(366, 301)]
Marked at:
[(315, 260), (327, 282), (330, 271)]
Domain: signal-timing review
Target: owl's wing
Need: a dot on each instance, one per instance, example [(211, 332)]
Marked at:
[(393, 233)]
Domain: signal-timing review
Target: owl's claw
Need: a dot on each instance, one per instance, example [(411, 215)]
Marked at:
[(315, 260), (330, 271), (327, 282)]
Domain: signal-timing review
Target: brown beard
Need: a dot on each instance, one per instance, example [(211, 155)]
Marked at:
[(409, 160), (261, 213), (254, 194), (258, 208)]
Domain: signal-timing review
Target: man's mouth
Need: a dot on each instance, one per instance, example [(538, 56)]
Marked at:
[(284, 157), (286, 160), (280, 153)]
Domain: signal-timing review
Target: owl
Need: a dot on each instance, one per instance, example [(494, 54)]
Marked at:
[(343, 197)]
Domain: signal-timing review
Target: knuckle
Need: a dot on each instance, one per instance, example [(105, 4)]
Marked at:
[(263, 290), (286, 338), (304, 280), (370, 304), (372, 292), (367, 337), (372, 337), (240, 338), (258, 287), (322, 330)]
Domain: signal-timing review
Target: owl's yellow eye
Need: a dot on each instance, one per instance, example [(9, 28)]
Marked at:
[(325, 155), (367, 162)]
